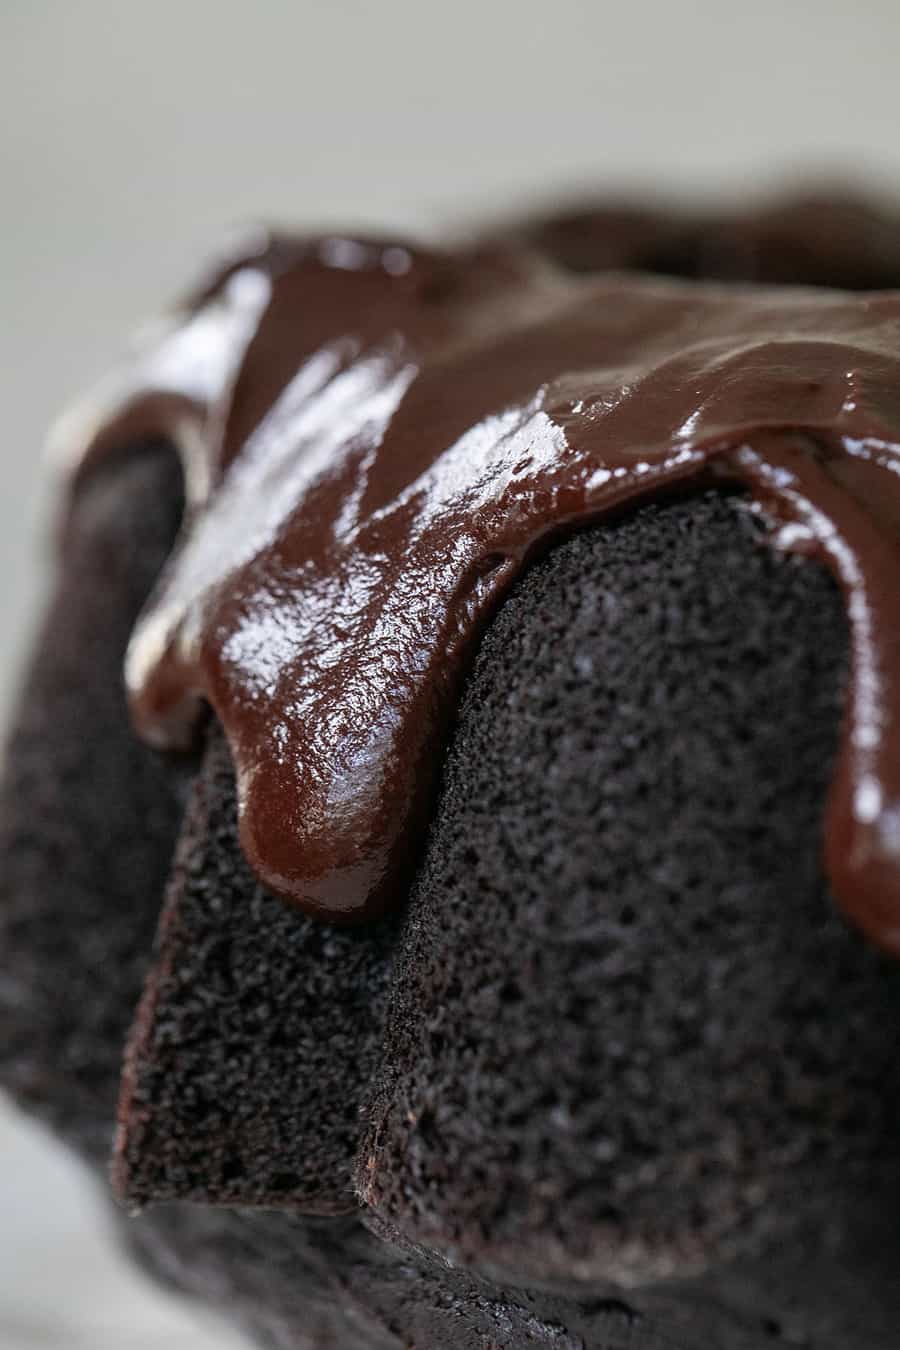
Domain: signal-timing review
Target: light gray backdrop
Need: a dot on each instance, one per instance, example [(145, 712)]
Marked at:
[(132, 134)]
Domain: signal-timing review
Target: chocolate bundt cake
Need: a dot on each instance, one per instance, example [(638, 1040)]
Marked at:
[(507, 762)]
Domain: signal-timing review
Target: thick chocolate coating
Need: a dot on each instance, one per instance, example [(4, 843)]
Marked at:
[(378, 439)]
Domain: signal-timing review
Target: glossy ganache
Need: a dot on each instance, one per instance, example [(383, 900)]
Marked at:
[(378, 438)]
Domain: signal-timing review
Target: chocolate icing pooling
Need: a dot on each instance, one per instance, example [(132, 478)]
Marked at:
[(377, 438)]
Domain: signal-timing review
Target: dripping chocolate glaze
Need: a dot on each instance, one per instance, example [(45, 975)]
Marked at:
[(376, 439)]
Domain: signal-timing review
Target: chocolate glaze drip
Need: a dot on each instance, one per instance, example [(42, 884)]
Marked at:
[(377, 438), (812, 239)]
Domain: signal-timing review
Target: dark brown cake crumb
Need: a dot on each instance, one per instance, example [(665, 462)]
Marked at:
[(629, 1032), (88, 815), (257, 1035)]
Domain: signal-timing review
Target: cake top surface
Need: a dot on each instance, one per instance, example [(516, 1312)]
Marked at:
[(377, 438)]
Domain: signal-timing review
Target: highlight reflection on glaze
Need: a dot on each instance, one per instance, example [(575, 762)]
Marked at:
[(382, 438)]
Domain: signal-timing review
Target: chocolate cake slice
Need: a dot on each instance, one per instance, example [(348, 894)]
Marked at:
[(528, 818)]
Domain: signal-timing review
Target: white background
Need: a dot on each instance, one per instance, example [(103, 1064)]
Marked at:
[(132, 134)]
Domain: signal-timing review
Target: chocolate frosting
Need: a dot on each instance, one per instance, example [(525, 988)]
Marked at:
[(813, 238), (377, 438)]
